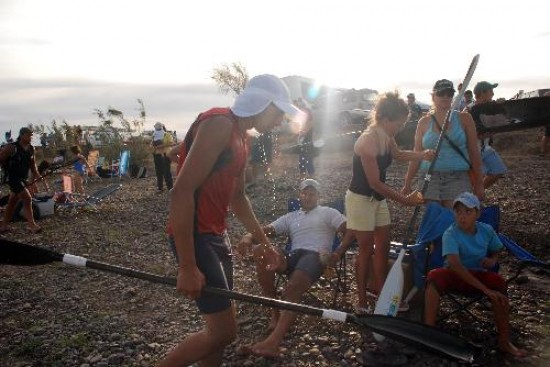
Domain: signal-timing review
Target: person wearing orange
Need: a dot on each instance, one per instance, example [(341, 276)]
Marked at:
[(211, 177)]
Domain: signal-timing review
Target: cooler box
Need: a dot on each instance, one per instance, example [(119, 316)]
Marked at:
[(44, 206)]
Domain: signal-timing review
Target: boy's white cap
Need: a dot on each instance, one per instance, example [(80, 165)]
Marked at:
[(259, 92), (468, 199), (310, 182), (158, 126)]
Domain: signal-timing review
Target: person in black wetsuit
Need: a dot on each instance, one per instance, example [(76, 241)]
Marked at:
[(18, 158), (366, 206)]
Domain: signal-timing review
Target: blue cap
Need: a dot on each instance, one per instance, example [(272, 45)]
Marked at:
[(468, 199)]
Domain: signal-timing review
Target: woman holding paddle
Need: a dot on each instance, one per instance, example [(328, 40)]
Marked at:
[(458, 164), (366, 206), (211, 168)]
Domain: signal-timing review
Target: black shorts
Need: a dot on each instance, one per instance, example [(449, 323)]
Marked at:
[(214, 260), (16, 184), (305, 260)]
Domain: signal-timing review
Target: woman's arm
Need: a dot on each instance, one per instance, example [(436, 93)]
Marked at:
[(473, 152), (410, 155), (367, 148), (414, 165)]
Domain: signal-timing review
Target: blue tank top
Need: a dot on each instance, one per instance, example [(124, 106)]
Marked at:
[(79, 167), (448, 158)]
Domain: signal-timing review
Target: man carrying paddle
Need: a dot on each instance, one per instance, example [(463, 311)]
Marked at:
[(311, 229), (210, 178)]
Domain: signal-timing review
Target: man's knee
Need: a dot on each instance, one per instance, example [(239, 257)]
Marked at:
[(297, 285)]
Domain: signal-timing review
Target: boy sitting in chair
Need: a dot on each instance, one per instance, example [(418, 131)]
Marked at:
[(470, 249), (312, 230)]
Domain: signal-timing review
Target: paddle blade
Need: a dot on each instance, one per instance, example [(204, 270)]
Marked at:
[(420, 335), (392, 291), (15, 253)]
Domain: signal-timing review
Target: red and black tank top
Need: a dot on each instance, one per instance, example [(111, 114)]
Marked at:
[(213, 197)]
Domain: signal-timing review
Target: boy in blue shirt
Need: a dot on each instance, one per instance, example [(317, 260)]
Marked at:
[(470, 249)]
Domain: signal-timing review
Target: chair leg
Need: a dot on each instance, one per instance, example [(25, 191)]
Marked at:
[(462, 307)]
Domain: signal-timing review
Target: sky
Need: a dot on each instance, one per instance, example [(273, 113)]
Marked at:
[(61, 59)]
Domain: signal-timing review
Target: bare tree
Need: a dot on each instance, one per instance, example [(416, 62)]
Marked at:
[(139, 123), (230, 78)]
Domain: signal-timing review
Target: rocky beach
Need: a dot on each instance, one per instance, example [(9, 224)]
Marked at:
[(57, 315)]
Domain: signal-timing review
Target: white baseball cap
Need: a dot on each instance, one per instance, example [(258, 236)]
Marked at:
[(468, 199), (310, 182), (259, 92)]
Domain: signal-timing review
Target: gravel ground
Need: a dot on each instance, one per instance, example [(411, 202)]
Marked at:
[(56, 315)]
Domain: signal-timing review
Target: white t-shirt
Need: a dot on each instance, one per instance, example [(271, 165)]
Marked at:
[(158, 135), (313, 230)]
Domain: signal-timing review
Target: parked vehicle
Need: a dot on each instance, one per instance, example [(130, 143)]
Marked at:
[(338, 110)]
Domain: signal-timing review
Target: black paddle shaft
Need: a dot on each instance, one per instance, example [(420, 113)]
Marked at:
[(429, 338)]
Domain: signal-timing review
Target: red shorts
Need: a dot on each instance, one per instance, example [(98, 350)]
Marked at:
[(447, 280)]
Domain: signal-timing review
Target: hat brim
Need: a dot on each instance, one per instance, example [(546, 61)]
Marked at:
[(287, 108), (442, 89), (465, 203)]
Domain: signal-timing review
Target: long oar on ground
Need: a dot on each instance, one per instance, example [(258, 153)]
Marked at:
[(409, 332), (392, 291)]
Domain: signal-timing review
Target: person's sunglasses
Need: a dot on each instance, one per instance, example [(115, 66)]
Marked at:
[(445, 93)]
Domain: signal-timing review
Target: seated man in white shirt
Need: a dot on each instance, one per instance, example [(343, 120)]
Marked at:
[(311, 230)]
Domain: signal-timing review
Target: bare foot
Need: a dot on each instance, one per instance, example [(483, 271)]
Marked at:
[(35, 229), (273, 321), (264, 349), (511, 349), (260, 350)]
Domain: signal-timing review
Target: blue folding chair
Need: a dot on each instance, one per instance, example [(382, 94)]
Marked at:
[(340, 285), (434, 223)]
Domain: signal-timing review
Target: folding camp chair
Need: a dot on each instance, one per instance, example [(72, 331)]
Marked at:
[(434, 223), (338, 282), (91, 201)]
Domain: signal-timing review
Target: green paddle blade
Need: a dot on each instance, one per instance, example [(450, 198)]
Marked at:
[(423, 336)]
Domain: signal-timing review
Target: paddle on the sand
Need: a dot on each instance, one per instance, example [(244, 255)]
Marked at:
[(420, 335)]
